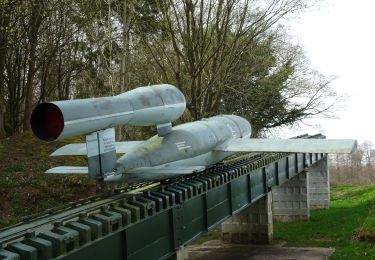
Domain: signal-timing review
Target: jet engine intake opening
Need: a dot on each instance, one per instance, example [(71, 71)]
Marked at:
[(47, 121)]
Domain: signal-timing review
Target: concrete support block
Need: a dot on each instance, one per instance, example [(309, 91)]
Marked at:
[(291, 200), (319, 185), (181, 254), (252, 225)]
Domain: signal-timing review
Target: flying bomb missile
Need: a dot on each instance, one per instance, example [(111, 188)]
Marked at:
[(174, 151)]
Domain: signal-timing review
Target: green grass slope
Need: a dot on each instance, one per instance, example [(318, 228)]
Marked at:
[(341, 226), (25, 189)]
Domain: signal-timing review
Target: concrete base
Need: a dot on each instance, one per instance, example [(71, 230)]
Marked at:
[(291, 200), (252, 225), (181, 254), (319, 185)]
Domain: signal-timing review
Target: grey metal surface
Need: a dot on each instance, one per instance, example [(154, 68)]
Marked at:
[(143, 106), (101, 153), (69, 170), (186, 141), (135, 175), (80, 148), (290, 145)]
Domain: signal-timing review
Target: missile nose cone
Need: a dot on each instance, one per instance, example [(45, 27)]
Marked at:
[(47, 121)]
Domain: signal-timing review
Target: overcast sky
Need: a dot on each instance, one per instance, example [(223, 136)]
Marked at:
[(339, 39)]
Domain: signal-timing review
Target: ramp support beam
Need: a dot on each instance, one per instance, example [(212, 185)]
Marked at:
[(252, 225), (180, 254), (291, 200), (319, 184)]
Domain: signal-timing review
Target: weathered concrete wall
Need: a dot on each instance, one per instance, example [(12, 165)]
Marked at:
[(319, 184), (291, 200), (252, 225), (181, 254)]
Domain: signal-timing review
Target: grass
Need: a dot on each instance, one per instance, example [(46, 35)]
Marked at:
[(341, 227), (25, 189), (367, 230)]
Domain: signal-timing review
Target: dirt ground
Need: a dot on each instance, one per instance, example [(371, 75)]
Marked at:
[(218, 250)]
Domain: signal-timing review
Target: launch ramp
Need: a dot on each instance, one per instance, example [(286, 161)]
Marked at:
[(154, 221)]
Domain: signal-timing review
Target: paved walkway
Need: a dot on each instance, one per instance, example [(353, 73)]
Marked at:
[(218, 250)]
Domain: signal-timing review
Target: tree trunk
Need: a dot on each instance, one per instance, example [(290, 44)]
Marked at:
[(4, 24), (124, 71), (2, 118), (35, 22), (124, 75)]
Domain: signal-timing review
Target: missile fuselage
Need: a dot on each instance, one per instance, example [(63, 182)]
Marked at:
[(186, 145), (143, 106)]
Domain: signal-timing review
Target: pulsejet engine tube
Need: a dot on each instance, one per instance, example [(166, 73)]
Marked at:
[(144, 106)]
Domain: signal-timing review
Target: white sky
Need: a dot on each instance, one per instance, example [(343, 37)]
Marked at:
[(339, 40)]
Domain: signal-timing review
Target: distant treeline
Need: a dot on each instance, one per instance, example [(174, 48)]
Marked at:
[(358, 167)]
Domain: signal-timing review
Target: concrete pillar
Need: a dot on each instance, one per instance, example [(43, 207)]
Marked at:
[(291, 199), (252, 225), (319, 185), (181, 254)]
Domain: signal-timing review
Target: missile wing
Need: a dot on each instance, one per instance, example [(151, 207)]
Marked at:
[(69, 170), (136, 175), (80, 148), (288, 145)]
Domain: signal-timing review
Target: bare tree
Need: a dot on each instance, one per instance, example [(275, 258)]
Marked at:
[(5, 8), (34, 23), (225, 56), (368, 151), (354, 168)]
